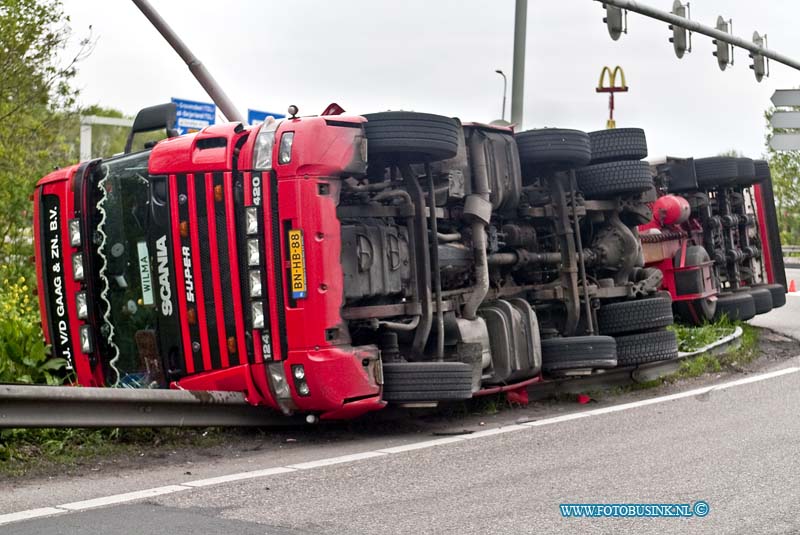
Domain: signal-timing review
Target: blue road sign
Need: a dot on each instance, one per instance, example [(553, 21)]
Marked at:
[(193, 116), (258, 117)]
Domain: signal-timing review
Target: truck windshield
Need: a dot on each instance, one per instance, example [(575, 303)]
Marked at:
[(126, 297)]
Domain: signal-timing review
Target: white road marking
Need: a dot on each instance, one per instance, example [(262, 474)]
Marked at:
[(337, 460), (421, 445), (121, 498), (30, 514), (189, 485), (238, 477), (662, 399)]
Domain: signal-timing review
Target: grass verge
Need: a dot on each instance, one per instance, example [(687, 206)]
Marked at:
[(26, 451)]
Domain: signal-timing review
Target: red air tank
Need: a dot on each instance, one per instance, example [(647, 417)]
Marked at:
[(671, 210)]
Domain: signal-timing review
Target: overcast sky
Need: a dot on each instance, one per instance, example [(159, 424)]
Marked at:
[(439, 56)]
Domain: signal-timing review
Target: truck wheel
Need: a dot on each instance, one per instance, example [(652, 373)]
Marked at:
[(777, 291), (426, 381), (553, 149), (762, 170), (618, 144), (736, 306), (716, 171), (646, 347), (746, 175), (762, 298), (575, 352), (411, 137), (611, 179), (635, 316)]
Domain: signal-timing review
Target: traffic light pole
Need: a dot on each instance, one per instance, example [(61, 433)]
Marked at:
[(636, 7), (214, 90), (518, 75)]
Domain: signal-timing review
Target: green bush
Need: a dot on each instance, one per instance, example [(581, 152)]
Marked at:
[(24, 358)]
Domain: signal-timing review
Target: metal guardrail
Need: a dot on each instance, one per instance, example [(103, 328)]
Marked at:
[(32, 406), (790, 248), (68, 406)]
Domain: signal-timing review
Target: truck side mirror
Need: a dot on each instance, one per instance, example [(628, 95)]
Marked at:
[(158, 117)]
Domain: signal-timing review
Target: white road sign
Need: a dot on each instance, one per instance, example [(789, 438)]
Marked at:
[(785, 142), (785, 119), (786, 97)]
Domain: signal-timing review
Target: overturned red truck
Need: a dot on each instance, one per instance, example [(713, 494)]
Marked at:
[(714, 236), (330, 265)]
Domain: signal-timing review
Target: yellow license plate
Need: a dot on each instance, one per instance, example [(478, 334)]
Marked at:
[(297, 264)]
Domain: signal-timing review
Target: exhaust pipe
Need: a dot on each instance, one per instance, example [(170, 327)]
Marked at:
[(478, 209)]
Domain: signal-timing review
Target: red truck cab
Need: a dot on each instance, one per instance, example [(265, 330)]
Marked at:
[(209, 262)]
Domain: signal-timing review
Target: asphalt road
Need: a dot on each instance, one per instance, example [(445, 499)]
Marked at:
[(785, 319), (735, 448)]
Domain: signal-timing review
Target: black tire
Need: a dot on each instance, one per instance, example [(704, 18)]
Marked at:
[(716, 171), (696, 311), (618, 144), (762, 170), (646, 347), (614, 178), (762, 298), (736, 306), (747, 172), (411, 137), (635, 316), (549, 150), (778, 292), (577, 352), (426, 381)]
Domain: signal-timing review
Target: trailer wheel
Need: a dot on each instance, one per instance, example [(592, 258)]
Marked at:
[(612, 179), (716, 171), (411, 137), (736, 306), (618, 144), (646, 347), (426, 381), (777, 291), (549, 150), (746, 174), (762, 170), (635, 316), (762, 298), (577, 352)]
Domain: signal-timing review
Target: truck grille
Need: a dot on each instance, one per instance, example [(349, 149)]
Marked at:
[(205, 211)]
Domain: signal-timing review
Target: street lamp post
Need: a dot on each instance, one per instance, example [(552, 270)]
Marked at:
[(505, 86)]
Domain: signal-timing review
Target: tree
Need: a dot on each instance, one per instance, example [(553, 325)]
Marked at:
[(785, 169), (35, 97)]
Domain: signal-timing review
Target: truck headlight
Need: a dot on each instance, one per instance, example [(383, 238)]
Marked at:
[(285, 150), (255, 283), (253, 252), (265, 143), (87, 342), (77, 266), (75, 232), (81, 305), (251, 220), (277, 379), (257, 314)]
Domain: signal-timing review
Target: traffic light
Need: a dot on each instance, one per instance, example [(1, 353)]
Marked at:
[(681, 38), (723, 52), (614, 21), (760, 64)]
